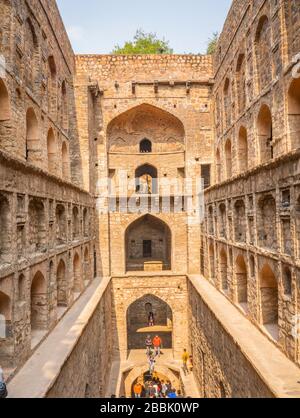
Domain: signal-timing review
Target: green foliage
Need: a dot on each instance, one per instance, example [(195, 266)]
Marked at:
[(212, 43), (144, 43)]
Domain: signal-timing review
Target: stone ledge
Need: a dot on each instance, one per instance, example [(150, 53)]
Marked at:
[(279, 373), (41, 371)]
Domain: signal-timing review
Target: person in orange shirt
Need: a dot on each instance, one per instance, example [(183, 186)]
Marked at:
[(157, 343), (137, 389)]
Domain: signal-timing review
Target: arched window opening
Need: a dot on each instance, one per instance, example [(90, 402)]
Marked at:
[(224, 270), (33, 151), (211, 229), (265, 134), (51, 150), (61, 225), (62, 286), (294, 113), (39, 303), (37, 226), (241, 281), (21, 288), (146, 179), (269, 300), (241, 83), (252, 266), (6, 339), (85, 223), (75, 221), (4, 102), (222, 221), (5, 230), (240, 224), (243, 150), (263, 51), (52, 87), (227, 102), (86, 267), (148, 245), (145, 146), (266, 223), (31, 55), (212, 262), (65, 161), (218, 167), (64, 106), (77, 277), (5, 312), (228, 155), (287, 281)]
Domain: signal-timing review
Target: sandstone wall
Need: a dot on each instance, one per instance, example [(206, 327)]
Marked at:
[(250, 243), (165, 99), (47, 233), (220, 368), (86, 372), (171, 289)]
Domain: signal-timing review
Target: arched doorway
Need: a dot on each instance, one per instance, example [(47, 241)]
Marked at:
[(223, 270), (241, 281), (146, 179), (6, 339), (62, 299), (294, 113), (39, 310), (148, 245), (86, 267), (78, 285), (265, 134), (138, 322), (33, 151), (269, 300)]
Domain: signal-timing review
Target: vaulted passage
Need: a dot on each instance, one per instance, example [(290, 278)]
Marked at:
[(149, 316), (148, 245)]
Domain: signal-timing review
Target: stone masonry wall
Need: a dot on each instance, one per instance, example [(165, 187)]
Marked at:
[(220, 368), (86, 372)]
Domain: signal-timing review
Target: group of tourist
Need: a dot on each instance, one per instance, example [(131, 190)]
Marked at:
[(155, 388), (153, 348)]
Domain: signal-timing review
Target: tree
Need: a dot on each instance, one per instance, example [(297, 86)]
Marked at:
[(212, 43), (144, 43)]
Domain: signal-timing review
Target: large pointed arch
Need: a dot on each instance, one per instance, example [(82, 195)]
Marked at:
[(126, 131), (137, 319), (148, 244)]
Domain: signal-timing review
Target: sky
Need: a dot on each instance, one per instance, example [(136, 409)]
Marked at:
[(96, 26)]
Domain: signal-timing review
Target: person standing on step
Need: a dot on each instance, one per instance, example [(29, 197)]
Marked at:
[(137, 389), (151, 319), (185, 356), (151, 365), (148, 343), (157, 344)]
